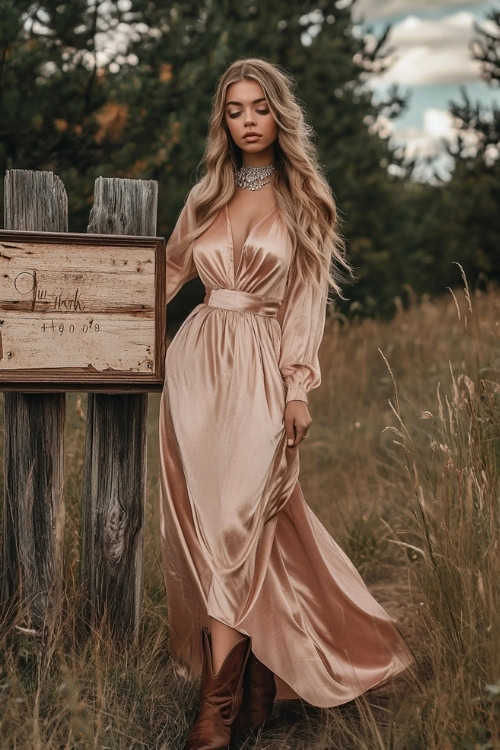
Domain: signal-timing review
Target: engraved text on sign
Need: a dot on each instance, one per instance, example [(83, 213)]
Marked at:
[(80, 306)]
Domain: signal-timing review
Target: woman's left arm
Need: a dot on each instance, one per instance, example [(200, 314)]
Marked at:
[(302, 317)]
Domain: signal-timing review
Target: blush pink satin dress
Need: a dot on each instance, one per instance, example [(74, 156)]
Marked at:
[(238, 540)]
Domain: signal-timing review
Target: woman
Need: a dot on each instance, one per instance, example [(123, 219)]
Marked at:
[(262, 602)]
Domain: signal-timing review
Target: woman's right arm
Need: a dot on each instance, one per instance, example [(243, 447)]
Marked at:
[(180, 266)]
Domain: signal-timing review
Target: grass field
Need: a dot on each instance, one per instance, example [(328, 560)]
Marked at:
[(403, 468)]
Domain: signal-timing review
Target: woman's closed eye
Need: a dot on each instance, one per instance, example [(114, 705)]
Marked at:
[(259, 111)]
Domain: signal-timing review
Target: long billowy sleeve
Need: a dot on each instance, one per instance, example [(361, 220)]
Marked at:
[(302, 317), (180, 266)]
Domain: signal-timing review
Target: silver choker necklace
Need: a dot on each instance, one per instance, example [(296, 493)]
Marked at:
[(253, 178)]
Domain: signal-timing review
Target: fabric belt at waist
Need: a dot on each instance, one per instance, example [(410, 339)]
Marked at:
[(234, 299)]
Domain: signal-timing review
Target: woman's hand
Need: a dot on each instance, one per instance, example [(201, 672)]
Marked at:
[(297, 422)]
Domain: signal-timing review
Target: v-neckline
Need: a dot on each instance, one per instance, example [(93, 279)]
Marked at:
[(231, 241)]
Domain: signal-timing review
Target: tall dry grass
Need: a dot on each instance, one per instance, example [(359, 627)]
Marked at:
[(403, 469)]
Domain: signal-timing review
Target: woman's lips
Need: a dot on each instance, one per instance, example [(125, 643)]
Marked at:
[(250, 137)]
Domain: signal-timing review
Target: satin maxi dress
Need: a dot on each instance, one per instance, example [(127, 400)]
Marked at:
[(238, 541)]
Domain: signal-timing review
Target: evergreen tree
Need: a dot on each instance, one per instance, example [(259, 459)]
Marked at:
[(53, 99), (463, 223), (124, 89)]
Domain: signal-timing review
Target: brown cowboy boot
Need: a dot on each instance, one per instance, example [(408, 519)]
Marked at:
[(221, 695), (259, 691)]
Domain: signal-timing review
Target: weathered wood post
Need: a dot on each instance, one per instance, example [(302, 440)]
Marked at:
[(115, 450), (33, 513)]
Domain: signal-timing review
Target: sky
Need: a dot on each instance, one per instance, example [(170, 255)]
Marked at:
[(432, 60)]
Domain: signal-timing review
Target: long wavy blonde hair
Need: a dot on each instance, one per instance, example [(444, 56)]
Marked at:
[(302, 193)]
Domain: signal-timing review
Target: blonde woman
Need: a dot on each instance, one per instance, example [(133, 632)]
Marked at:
[(262, 602)]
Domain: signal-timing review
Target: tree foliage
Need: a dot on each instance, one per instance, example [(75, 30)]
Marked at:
[(124, 89)]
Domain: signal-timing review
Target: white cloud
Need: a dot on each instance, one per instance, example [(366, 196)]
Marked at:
[(431, 51), (438, 123), (427, 142), (431, 44), (372, 10), (424, 141)]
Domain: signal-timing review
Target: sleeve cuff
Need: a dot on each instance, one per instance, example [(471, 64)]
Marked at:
[(296, 393)]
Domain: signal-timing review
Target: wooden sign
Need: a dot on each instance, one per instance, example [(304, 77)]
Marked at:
[(81, 312)]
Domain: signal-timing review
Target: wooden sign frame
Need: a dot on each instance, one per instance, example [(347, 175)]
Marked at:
[(79, 378)]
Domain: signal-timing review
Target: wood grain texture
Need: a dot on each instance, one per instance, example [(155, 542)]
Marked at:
[(87, 306), (115, 453), (35, 201), (34, 511), (81, 308), (124, 206)]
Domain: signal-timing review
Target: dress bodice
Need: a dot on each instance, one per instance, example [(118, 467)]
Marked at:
[(266, 269), (263, 263)]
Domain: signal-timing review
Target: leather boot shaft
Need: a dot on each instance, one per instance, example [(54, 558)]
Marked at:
[(221, 696), (259, 692)]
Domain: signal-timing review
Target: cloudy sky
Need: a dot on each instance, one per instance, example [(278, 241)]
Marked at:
[(432, 60)]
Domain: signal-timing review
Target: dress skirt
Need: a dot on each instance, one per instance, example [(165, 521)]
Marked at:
[(239, 542)]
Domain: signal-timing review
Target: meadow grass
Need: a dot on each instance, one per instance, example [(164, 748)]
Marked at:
[(402, 467)]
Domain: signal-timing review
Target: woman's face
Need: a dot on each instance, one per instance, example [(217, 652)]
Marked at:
[(247, 111)]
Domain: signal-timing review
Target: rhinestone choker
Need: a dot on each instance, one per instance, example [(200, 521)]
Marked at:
[(253, 178)]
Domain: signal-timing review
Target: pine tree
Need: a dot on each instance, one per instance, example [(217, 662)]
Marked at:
[(468, 206), (124, 89), (53, 95)]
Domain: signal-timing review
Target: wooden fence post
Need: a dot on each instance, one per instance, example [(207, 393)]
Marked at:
[(115, 451), (33, 512)]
